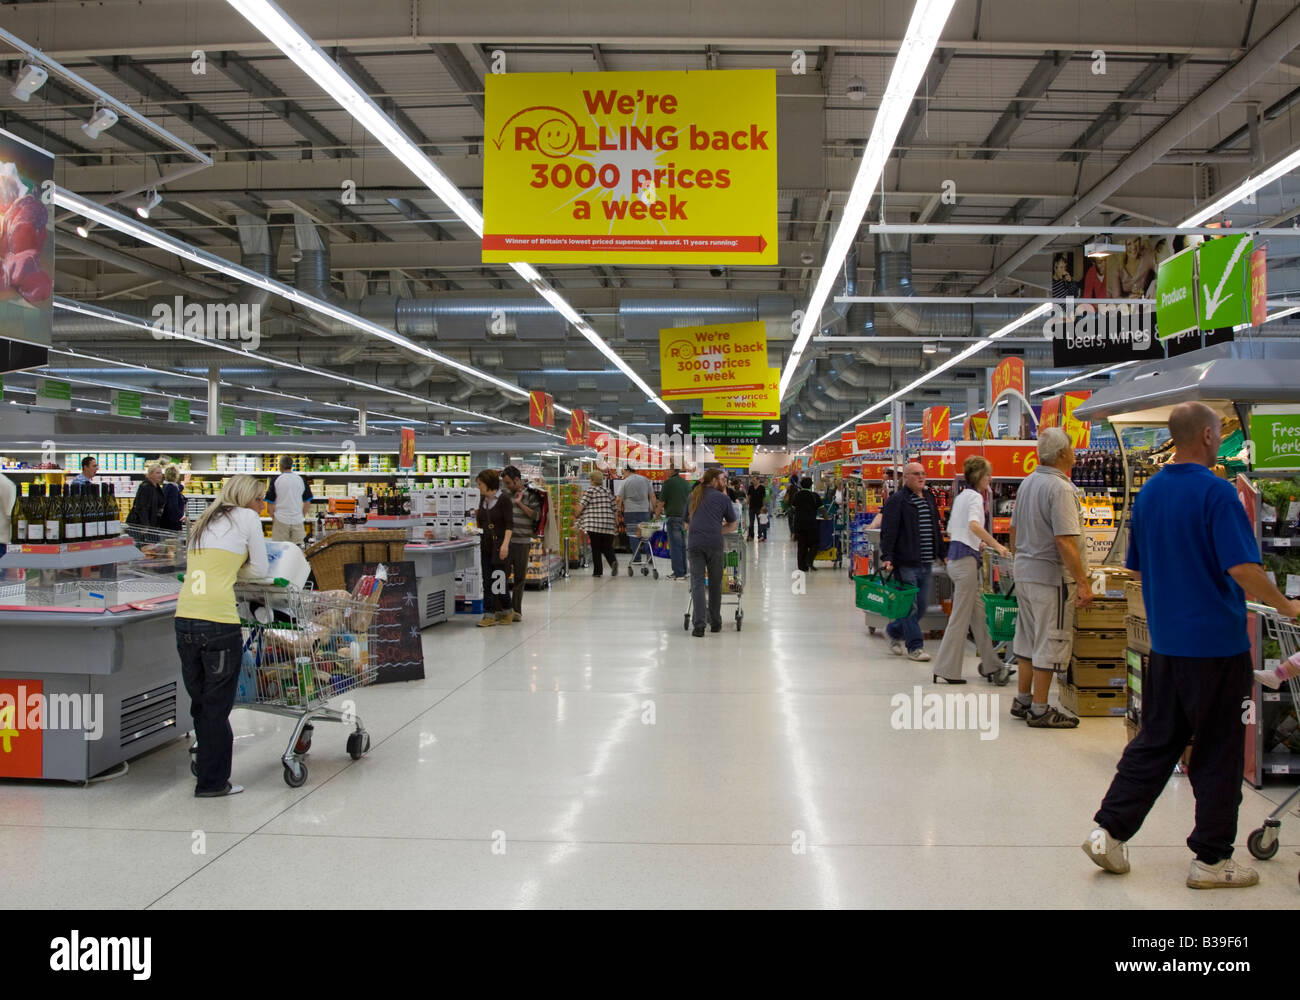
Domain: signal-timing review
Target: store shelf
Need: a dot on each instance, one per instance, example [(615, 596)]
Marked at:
[(71, 555), (385, 521), (1281, 762)]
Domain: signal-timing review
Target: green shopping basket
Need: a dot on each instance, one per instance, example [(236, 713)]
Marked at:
[(890, 598), (1000, 614)]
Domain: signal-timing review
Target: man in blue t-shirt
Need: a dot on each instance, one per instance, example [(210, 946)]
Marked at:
[(1196, 553)]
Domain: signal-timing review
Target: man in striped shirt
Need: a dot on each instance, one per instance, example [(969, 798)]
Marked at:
[(911, 539)]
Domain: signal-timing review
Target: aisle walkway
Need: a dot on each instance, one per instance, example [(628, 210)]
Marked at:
[(598, 755)]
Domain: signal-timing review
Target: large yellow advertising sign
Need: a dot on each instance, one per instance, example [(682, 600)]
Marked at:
[(708, 360), (765, 402), (738, 456), (631, 168)]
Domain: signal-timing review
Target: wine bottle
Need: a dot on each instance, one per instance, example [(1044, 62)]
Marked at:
[(35, 514), (19, 518), (73, 523), (114, 514), (54, 516)]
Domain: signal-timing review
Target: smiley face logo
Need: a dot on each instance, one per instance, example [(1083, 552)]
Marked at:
[(681, 350), (544, 129)]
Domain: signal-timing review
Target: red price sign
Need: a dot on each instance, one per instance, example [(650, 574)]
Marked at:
[(1009, 459), (939, 465), (874, 437)]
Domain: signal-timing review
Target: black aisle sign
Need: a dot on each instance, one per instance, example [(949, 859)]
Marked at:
[(1104, 336), (729, 430), (400, 652)]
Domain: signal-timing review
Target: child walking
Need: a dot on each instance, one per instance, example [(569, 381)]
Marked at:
[(763, 520)]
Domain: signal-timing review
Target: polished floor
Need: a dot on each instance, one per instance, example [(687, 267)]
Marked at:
[(597, 755)]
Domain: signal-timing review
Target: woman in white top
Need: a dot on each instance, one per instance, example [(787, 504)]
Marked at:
[(968, 529), (226, 542)]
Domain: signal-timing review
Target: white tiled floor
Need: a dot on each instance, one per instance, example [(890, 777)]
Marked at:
[(599, 755)]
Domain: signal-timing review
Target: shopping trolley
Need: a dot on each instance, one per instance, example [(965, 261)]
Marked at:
[(302, 648), (1000, 610), (643, 549), (733, 579), (1263, 842)]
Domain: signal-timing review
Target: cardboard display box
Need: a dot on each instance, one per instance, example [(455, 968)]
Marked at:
[(1106, 644), (1098, 673), (1133, 594), (1104, 613), (1139, 637), (1093, 702)]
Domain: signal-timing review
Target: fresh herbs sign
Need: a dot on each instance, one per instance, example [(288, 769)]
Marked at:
[(1275, 437)]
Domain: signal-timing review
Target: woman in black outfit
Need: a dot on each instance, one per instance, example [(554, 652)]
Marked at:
[(173, 499), (147, 510), (494, 521)]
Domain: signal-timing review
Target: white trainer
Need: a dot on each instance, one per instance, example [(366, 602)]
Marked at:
[(1227, 874), (919, 655), (896, 647), (1106, 852)]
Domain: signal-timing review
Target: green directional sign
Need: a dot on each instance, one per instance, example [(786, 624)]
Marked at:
[(1223, 280), (1275, 437), (54, 393), (1176, 296), (179, 411), (228, 421), (731, 431), (266, 423), (248, 428), (125, 403)]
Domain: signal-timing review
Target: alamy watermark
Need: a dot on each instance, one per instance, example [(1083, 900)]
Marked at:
[(238, 321), (1085, 326), (947, 710), (34, 710)]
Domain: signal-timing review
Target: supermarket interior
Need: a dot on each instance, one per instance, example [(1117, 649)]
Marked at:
[(579, 455)]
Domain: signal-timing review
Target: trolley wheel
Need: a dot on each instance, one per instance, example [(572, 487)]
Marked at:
[(358, 744), (629, 570), (194, 760), (295, 774), (871, 630), (740, 618), (656, 573), (686, 622), (304, 740), (1263, 843), (645, 571)]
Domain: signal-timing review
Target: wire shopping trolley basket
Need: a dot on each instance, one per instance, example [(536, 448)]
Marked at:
[(301, 649), (1263, 842), (643, 553), (733, 579)]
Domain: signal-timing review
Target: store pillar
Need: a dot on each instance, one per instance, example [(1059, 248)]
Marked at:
[(361, 417), (213, 422)]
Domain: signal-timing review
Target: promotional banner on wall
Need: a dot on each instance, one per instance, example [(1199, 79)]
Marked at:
[(698, 361), (1275, 434), (541, 409), (764, 402), (26, 240), (1085, 334), (738, 456), (577, 432), (662, 167)]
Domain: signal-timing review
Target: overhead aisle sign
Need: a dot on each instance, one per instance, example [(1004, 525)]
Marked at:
[(700, 361), (737, 456), (874, 437), (630, 168), (1223, 276), (1176, 294), (737, 431), (765, 402), (934, 424)]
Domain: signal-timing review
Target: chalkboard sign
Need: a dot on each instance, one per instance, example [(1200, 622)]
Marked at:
[(398, 652)]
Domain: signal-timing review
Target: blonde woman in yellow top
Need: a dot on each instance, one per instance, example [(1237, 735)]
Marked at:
[(226, 542)]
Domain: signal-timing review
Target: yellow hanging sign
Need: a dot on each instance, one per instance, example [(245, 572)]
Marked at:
[(760, 403)]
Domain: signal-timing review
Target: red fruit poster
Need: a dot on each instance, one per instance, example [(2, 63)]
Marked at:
[(26, 240)]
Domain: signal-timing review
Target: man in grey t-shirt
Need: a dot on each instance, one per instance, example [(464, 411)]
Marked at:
[(636, 500), (1051, 579)]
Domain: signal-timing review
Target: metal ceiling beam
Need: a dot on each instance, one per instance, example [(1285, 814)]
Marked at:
[(455, 63), (242, 74), (353, 68), (40, 136), (60, 95), (1036, 85), (152, 87), (601, 64), (1150, 80), (939, 63)]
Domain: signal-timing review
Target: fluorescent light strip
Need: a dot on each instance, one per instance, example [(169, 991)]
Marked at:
[(290, 39), (1083, 377), (923, 31), (956, 359), (145, 234), (1282, 314), (131, 321), (1248, 186)]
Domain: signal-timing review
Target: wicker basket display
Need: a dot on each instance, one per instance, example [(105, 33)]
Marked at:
[(333, 552)]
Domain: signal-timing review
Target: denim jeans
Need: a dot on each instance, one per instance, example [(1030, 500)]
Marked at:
[(706, 562), (210, 655), (909, 629), (677, 545)]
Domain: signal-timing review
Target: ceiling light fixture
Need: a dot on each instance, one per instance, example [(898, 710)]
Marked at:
[(1081, 378), (100, 119), (290, 39), (1247, 187), (83, 229), (29, 80), (930, 348), (1102, 248), (923, 31), (148, 202)]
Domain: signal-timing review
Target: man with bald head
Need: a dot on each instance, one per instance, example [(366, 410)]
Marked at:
[(911, 539), (1195, 551)]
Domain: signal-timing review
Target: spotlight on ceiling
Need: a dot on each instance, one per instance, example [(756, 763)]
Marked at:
[(930, 348), (856, 89), (151, 200), (102, 118), (29, 80), (83, 229), (1102, 248)]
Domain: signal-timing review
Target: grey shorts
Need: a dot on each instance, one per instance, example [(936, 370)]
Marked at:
[(1044, 624)]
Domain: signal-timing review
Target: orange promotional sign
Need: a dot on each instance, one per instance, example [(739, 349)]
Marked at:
[(874, 437), (848, 443), (939, 464), (1080, 431), (976, 427), (541, 409), (1051, 413), (1258, 288), (934, 424), (406, 460), (1010, 459), (577, 432), (1009, 376), (21, 729)]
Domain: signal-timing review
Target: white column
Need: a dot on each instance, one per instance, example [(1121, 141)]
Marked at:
[(214, 401)]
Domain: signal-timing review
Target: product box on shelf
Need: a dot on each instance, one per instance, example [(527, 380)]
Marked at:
[(1102, 613), (1136, 664), (1100, 644), (1093, 702), (1139, 636), (1133, 594), (1098, 673)]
